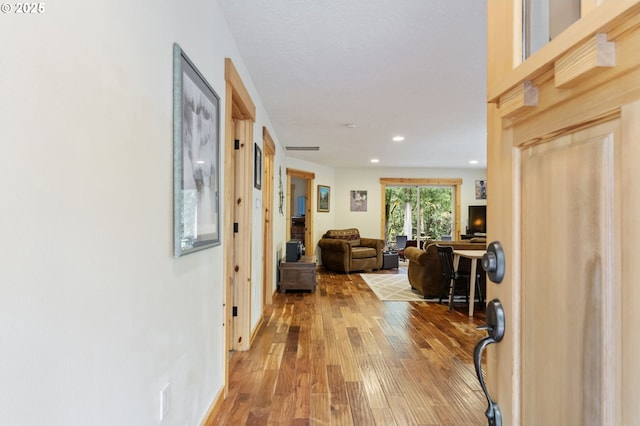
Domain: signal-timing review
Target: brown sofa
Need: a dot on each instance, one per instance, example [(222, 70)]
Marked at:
[(425, 273), (344, 250)]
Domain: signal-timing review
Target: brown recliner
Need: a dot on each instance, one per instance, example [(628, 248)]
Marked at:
[(343, 250)]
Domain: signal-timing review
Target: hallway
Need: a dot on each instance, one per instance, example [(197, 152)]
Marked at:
[(340, 356)]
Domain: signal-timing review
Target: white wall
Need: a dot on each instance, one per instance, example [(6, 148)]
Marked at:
[(96, 316)]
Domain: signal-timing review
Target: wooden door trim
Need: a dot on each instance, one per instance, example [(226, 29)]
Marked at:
[(244, 106), (301, 174), (267, 218), (239, 109), (609, 15), (308, 223)]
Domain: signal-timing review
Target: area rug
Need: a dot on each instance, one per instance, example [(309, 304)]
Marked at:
[(391, 287)]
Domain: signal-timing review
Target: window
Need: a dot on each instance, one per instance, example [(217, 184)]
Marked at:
[(543, 20), (421, 209)]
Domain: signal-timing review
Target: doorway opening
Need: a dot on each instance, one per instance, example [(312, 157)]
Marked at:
[(300, 207)]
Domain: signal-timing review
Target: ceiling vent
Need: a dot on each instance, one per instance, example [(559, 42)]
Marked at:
[(302, 148)]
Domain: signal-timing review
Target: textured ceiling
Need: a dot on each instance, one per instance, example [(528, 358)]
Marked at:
[(414, 68)]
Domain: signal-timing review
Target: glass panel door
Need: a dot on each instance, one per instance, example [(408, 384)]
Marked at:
[(436, 212), (419, 212)]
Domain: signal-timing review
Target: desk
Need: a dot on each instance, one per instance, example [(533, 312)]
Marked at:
[(474, 255)]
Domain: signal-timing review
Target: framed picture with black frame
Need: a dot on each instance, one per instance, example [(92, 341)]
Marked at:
[(196, 161), (257, 167)]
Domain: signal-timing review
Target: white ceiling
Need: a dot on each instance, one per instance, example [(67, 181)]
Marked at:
[(414, 68)]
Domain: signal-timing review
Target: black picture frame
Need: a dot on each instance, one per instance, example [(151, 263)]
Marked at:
[(196, 158), (257, 167)]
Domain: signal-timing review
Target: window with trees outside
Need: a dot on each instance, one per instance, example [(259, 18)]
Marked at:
[(421, 209)]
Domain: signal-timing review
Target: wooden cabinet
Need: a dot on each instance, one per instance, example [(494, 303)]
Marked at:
[(297, 228), (299, 275)]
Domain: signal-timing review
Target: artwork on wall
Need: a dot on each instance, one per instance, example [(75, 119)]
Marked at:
[(324, 194), (481, 190), (358, 201), (196, 147), (257, 167)]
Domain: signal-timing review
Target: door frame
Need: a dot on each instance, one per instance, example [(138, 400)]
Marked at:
[(267, 218), (240, 115), (309, 178)]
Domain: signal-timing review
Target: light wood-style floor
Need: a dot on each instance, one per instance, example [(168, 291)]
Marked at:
[(340, 356)]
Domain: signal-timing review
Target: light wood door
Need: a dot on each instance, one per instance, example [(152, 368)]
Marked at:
[(267, 218), (564, 144)]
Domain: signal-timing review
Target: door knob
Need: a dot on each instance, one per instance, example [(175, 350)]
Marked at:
[(493, 262), (495, 325)]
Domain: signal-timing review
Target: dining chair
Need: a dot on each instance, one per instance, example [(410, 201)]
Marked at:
[(401, 244), (451, 278)]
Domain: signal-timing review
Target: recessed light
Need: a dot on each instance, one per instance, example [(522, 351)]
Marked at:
[(473, 162), (375, 160), (350, 125), (398, 138)]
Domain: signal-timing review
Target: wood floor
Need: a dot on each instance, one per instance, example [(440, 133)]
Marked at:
[(340, 356)]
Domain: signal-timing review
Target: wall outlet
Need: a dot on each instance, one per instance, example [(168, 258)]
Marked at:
[(165, 401)]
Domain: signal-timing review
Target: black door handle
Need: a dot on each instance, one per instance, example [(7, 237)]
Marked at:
[(495, 326), (493, 262)]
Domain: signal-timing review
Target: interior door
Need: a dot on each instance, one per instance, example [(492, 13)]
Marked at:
[(564, 204), (267, 218)]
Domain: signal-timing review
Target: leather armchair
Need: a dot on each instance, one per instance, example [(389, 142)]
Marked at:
[(424, 271), (343, 250)]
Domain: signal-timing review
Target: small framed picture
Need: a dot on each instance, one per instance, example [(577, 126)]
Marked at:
[(324, 197), (358, 201), (257, 167), (481, 190)]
